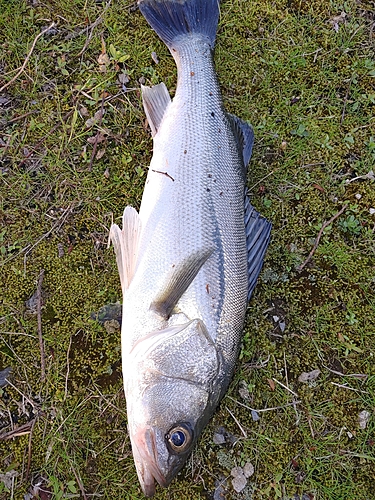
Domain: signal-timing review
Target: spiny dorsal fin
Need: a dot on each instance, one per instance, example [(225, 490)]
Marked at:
[(125, 242), (245, 136), (178, 281), (258, 231), (155, 102)]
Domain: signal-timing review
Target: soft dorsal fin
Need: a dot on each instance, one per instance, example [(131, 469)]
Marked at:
[(178, 281), (245, 136), (258, 231), (125, 242), (155, 102)]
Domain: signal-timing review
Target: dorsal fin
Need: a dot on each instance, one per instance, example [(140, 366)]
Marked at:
[(258, 231), (155, 102), (178, 281), (125, 242), (245, 136)]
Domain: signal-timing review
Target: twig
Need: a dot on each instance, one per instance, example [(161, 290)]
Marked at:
[(39, 316), (237, 422), (67, 369), (22, 430), (29, 451), (285, 387), (79, 482), (97, 135), (265, 409), (315, 246), (21, 69), (355, 375)]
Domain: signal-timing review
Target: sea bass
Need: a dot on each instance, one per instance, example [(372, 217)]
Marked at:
[(189, 260)]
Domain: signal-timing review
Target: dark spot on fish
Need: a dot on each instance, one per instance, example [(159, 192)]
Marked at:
[(209, 176), (208, 288), (185, 151), (219, 130), (221, 193), (192, 73), (208, 190), (212, 113), (210, 93)]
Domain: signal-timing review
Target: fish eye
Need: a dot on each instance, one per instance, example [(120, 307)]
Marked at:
[(179, 438)]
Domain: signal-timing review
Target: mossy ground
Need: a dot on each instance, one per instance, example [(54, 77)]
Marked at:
[(303, 74)]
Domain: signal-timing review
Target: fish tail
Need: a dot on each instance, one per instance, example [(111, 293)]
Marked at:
[(175, 18)]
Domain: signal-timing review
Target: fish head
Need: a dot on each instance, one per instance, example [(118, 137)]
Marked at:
[(170, 394)]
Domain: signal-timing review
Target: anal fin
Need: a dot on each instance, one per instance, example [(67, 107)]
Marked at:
[(178, 281), (155, 102), (258, 230), (125, 242)]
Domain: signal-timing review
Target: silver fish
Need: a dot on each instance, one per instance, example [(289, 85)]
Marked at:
[(189, 260)]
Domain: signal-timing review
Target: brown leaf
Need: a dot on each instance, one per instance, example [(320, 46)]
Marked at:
[(271, 384), (96, 139), (99, 155)]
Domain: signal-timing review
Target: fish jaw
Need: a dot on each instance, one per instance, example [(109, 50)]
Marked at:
[(148, 445)]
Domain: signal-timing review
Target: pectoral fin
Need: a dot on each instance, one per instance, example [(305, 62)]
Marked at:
[(125, 242), (155, 102), (258, 231), (178, 281)]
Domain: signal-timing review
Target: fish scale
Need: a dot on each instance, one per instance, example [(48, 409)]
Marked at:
[(187, 261)]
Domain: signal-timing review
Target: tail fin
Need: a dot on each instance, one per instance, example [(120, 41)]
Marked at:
[(173, 18)]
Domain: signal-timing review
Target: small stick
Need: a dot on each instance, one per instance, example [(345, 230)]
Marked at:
[(237, 422), (164, 173), (285, 387), (97, 135), (67, 369), (39, 316), (29, 451), (315, 246), (21, 69)]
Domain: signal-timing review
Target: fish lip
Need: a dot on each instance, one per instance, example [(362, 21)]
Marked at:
[(145, 458)]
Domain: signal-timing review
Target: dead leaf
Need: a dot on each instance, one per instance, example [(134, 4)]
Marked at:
[(308, 376), (95, 119), (363, 418), (336, 20), (271, 384), (99, 155), (96, 139), (239, 480), (104, 62)]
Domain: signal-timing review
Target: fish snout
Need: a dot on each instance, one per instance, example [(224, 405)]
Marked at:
[(148, 447)]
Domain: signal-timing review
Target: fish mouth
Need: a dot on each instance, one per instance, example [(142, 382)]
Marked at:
[(145, 451)]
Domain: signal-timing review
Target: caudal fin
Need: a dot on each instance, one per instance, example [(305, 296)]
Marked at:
[(173, 18)]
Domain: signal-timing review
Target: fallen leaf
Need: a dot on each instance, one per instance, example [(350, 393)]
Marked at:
[(248, 469), (104, 62), (271, 384), (363, 418), (98, 138), (99, 155), (308, 376), (239, 480), (95, 119)]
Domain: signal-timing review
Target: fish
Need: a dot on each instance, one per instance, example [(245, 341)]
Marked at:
[(189, 260)]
